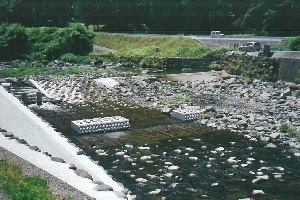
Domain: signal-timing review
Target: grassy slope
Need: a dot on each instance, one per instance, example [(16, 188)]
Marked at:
[(170, 46), (21, 187)]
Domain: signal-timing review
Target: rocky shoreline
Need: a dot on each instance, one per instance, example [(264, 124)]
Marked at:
[(255, 107)]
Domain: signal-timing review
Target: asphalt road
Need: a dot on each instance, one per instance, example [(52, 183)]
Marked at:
[(245, 38)]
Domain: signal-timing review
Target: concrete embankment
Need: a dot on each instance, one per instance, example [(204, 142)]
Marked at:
[(37, 142)]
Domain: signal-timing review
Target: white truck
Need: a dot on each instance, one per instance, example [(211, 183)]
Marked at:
[(216, 34)]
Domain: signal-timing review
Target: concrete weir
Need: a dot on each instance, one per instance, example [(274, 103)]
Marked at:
[(30, 130), (186, 114), (100, 124)]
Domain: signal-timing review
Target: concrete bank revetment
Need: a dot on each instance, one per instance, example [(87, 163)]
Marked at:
[(26, 126)]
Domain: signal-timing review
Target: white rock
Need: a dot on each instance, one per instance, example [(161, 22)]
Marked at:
[(280, 168), (258, 192), (144, 148), (177, 151), (271, 145), (214, 184), (145, 157), (193, 158), (141, 180), (173, 167), (151, 176), (232, 160), (297, 154), (155, 191), (189, 149), (121, 153), (259, 178), (168, 175), (128, 146), (277, 175), (220, 149), (196, 140)]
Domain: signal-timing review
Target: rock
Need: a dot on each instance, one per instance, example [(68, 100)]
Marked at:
[(8, 134), (258, 192), (103, 187), (120, 194), (271, 145), (22, 141), (84, 174), (34, 148), (211, 109), (98, 182), (72, 166), (57, 159), (80, 152)]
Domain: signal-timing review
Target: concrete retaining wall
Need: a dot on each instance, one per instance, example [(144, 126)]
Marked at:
[(289, 64)]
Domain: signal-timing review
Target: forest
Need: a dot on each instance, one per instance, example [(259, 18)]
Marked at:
[(259, 17)]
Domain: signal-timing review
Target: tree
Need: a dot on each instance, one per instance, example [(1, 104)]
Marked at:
[(13, 41)]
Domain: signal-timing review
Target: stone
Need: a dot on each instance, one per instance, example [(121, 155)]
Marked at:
[(34, 148), (80, 152), (8, 134), (22, 141), (103, 187), (84, 174), (72, 166), (258, 192), (120, 194), (57, 159)]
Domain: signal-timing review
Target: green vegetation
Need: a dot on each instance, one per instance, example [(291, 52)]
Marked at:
[(275, 17), (13, 41), (292, 131), (71, 58), (51, 43), (169, 46), (248, 67), (176, 99), (20, 187), (39, 69), (17, 42), (293, 44)]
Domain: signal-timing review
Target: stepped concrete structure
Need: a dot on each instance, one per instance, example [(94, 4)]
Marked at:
[(186, 114), (100, 124)]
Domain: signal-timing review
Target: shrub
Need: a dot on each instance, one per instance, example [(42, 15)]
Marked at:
[(51, 43), (293, 44), (292, 131), (13, 41), (71, 58)]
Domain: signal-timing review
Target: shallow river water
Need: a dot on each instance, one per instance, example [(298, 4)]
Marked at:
[(162, 158)]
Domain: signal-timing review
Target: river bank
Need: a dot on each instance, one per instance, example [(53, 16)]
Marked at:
[(255, 109)]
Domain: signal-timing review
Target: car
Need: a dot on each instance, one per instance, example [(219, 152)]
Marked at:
[(250, 46), (215, 34)]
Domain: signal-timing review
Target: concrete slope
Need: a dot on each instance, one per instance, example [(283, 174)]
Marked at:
[(18, 119)]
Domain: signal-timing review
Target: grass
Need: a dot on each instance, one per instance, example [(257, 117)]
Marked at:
[(169, 46), (292, 131), (176, 99), (27, 70), (20, 187)]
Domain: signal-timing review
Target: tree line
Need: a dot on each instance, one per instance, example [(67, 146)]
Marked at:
[(263, 17)]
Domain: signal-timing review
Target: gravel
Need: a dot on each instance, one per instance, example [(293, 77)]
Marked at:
[(60, 188)]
